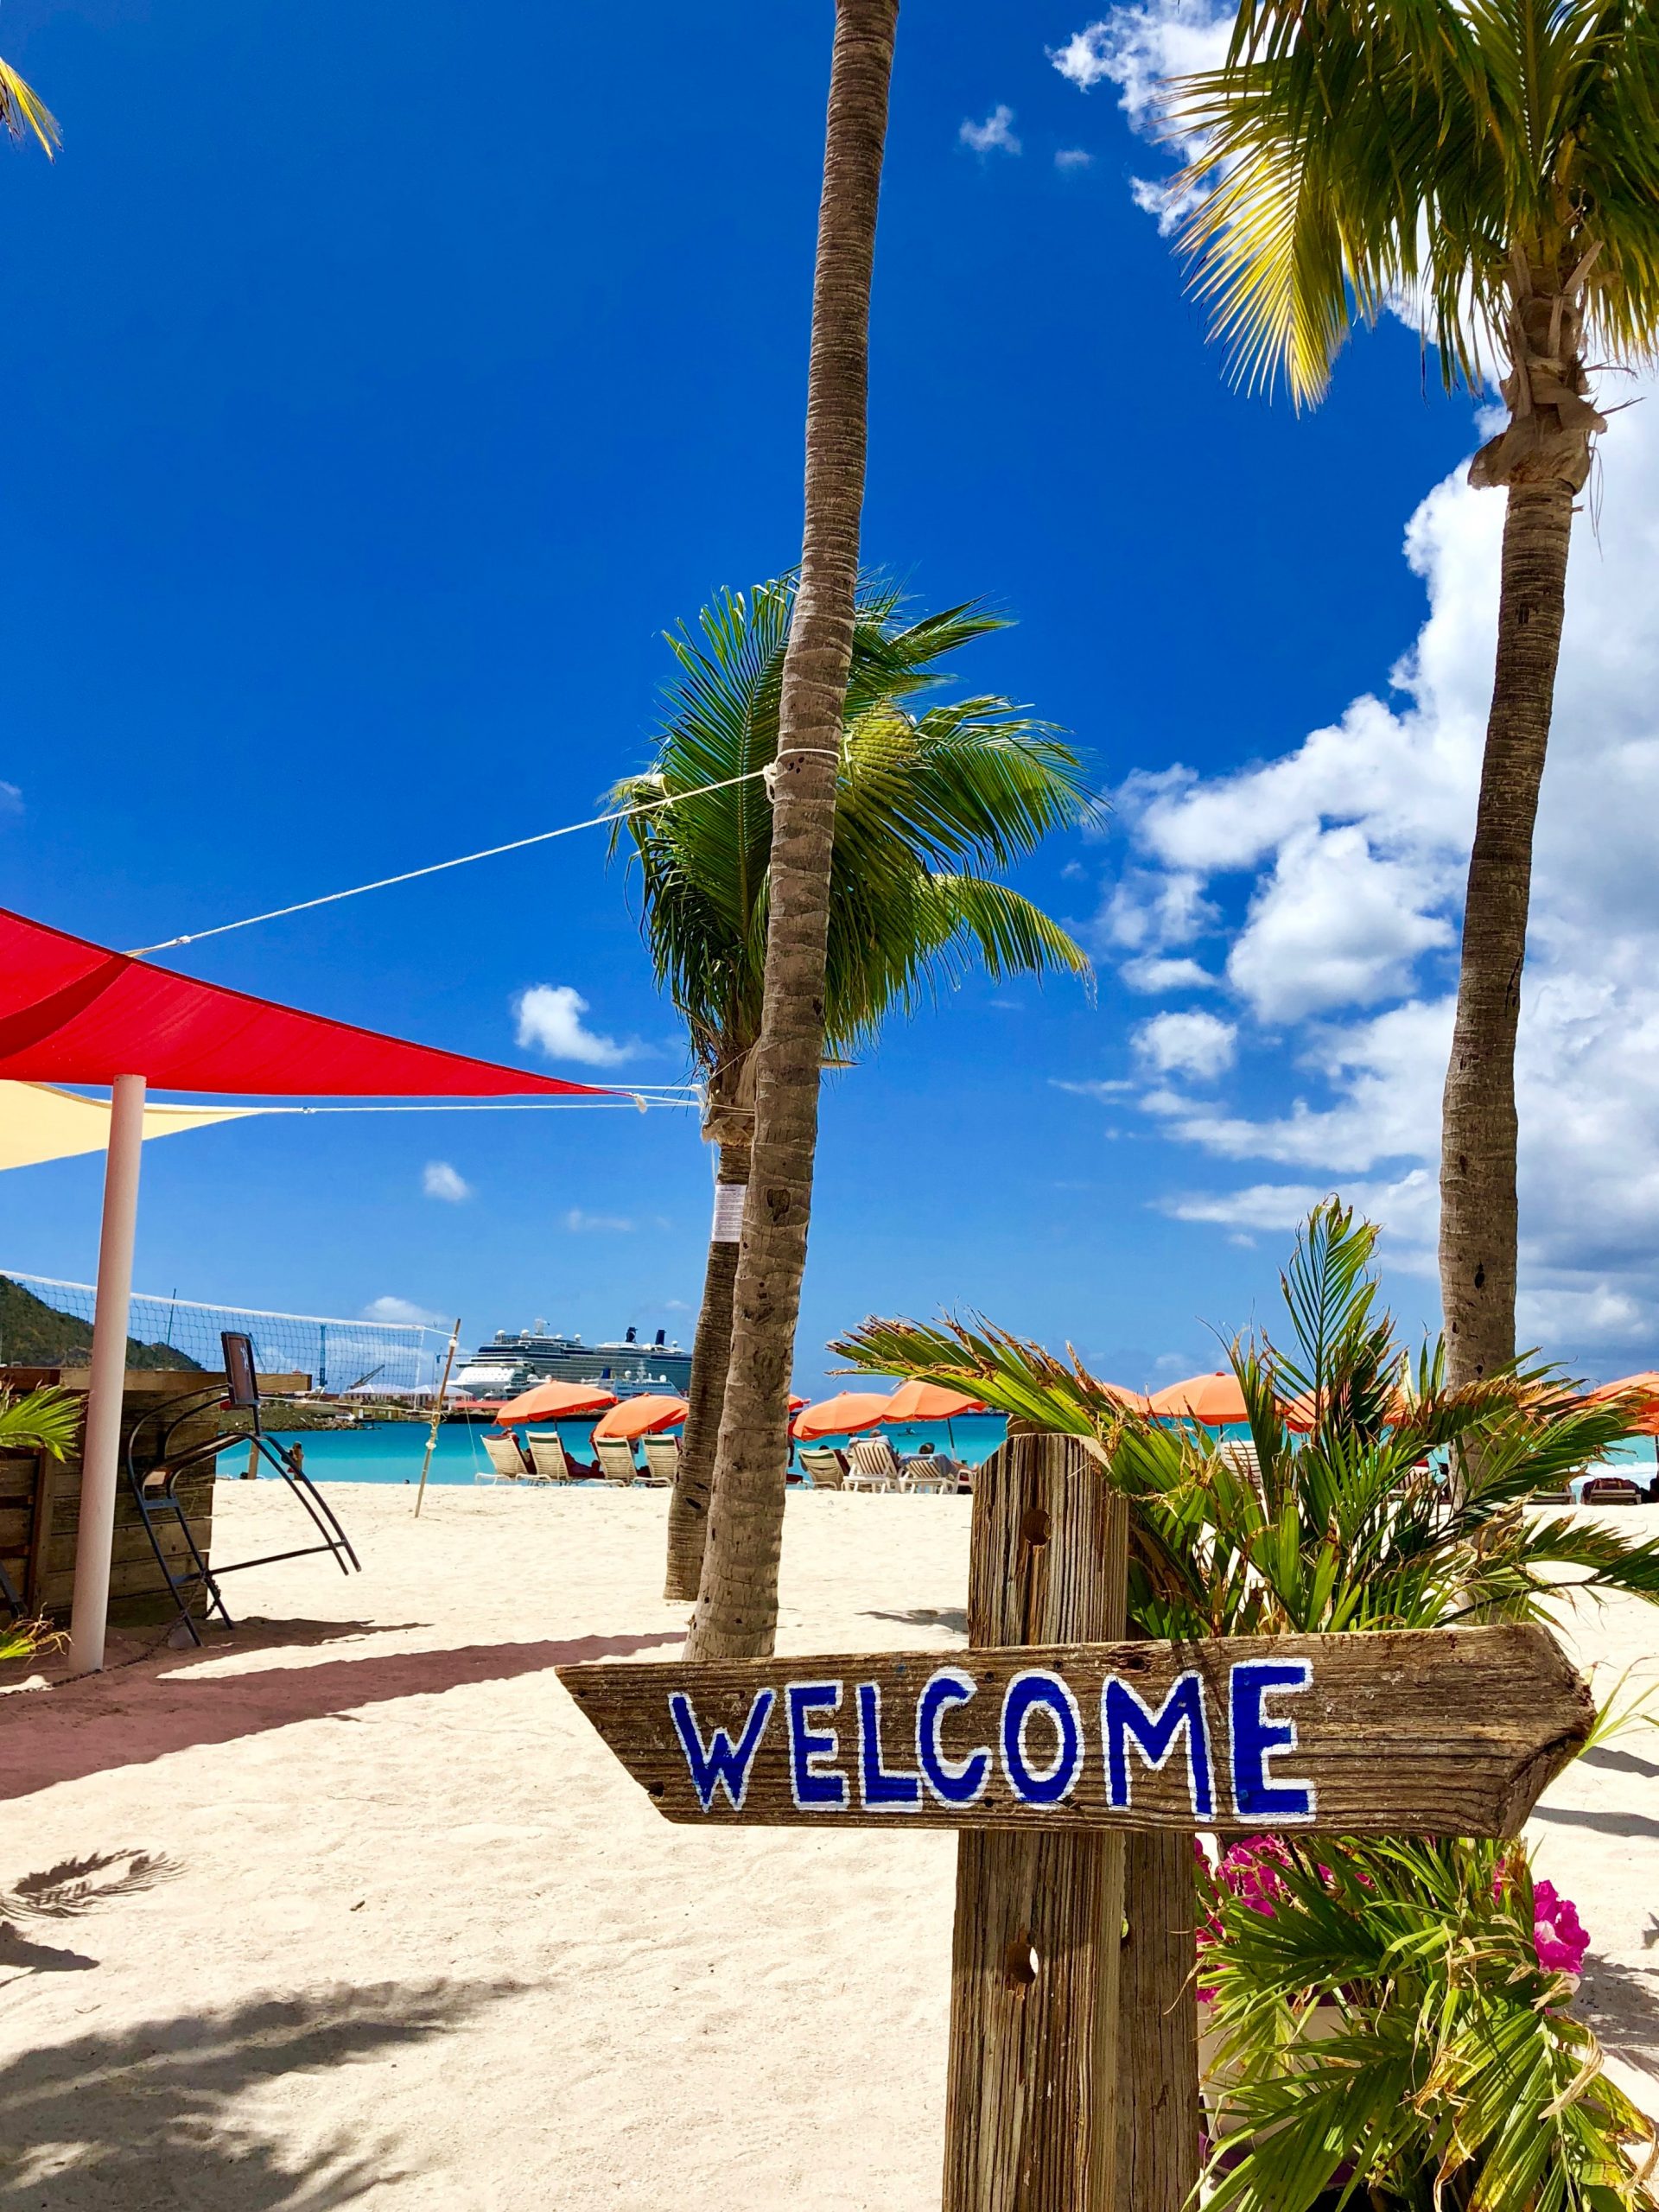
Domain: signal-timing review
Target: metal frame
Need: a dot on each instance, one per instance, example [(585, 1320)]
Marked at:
[(153, 1490)]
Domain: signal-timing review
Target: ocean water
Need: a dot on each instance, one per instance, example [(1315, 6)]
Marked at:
[(391, 1452)]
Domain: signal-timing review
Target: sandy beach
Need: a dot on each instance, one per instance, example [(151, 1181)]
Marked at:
[(406, 1934)]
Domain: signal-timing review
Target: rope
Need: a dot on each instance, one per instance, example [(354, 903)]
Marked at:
[(438, 867)]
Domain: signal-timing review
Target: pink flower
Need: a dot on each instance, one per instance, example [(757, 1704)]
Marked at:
[(1557, 1934)]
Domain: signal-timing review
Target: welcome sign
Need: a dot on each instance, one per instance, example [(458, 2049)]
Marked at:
[(1437, 1733)]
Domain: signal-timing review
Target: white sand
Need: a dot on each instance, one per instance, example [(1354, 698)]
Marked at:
[(424, 1943)]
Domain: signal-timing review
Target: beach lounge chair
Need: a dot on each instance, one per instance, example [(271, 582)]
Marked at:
[(615, 1460), (825, 1467), (924, 1472), (1611, 1490), (506, 1460), (662, 1461), (548, 1457), (875, 1465)]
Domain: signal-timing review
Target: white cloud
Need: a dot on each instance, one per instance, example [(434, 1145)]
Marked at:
[(994, 135), (1352, 847), (549, 1018), (12, 799), (1335, 924), (1151, 972), (1200, 1046), (440, 1180), (600, 1225), (1102, 1091), (1136, 48), (401, 1309), (1073, 157)]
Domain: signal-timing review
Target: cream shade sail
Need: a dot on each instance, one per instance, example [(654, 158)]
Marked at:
[(39, 1121)]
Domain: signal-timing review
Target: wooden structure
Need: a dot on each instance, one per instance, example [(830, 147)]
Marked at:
[(1078, 1766), (39, 1496)]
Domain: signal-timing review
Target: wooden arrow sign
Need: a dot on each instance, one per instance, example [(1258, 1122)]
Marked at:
[(1433, 1732)]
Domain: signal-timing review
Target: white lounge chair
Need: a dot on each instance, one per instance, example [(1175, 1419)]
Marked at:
[(924, 1472), (506, 1461), (662, 1461), (823, 1465), (548, 1456), (615, 1460), (875, 1465)]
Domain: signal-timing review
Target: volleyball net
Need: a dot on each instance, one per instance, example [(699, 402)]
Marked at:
[(48, 1323)]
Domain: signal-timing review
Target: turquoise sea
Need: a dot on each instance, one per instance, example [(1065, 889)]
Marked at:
[(391, 1452)]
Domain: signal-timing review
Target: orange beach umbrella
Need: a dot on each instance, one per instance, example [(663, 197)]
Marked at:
[(557, 1401), (1643, 1391), (1214, 1400), (842, 1415), (929, 1402), (637, 1417)]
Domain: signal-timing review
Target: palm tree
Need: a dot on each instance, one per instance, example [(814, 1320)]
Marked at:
[(974, 780), (1498, 161), (737, 1603), (22, 110)]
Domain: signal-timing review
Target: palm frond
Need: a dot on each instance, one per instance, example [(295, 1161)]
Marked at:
[(930, 798), (22, 110)]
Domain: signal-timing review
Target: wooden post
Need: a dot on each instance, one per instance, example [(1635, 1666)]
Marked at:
[(1031, 2118), (1158, 2099)]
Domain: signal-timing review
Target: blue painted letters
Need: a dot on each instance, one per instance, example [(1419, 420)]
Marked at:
[(720, 1763), (877, 1785), (812, 1785), (1123, 1714), (1028, 1692), (1255, 1738), (953, 1782)]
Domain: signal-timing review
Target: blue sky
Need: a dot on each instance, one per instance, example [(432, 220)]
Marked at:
[(381, 384)]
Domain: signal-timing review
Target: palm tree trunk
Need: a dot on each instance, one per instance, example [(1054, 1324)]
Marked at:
[(711, 1352), (737, 1604), (1478, 1219)]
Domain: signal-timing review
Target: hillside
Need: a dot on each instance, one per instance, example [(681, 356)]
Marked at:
[(35, 1334)]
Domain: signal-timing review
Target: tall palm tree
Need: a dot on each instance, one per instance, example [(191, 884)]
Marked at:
[(737, 1604), (22, 110), (1499, 160), (920, 789)]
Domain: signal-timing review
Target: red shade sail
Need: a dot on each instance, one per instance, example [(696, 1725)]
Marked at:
[(71, 1011), (637, 1417)]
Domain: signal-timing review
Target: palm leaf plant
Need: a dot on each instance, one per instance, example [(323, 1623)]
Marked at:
[(1497, 163), (41, 1421), (1341, 1517), (932, 797)]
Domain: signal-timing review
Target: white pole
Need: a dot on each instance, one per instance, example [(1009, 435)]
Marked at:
[(100, 1447)]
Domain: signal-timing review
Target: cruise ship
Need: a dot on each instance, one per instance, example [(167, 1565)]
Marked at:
[(516, 1359)]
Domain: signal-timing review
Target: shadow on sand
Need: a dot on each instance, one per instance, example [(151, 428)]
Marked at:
[(126, 1718), (1622, 2004), (149, 2116)]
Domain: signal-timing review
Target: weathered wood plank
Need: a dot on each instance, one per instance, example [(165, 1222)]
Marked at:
[(1447, 1731), (1159, 2112), (1031, 2122)]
